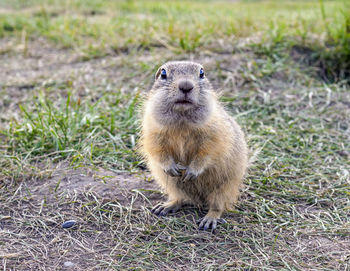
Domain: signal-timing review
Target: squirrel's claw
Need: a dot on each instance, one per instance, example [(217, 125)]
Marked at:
[(210, 223), (207, 223), (161, 209), (189, 175), (174, 170)]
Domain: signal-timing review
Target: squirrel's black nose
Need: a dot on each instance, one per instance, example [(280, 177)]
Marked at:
[(186, 86)]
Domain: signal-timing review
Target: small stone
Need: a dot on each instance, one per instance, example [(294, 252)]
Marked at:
[(68, 264), (68, 224), (344, 153)]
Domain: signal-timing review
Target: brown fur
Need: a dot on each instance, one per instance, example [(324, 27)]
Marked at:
[(201, 137)]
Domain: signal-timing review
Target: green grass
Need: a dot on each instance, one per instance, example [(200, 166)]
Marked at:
[(76, 72), (103, 131)]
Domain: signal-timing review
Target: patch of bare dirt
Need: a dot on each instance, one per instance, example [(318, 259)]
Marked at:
[(105, 184), (101, 203), (41, 64)]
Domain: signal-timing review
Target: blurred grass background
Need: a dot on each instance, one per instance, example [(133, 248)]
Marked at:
[(97, 27)]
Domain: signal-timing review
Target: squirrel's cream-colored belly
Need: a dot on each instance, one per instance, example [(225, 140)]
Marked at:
[(182, 145), (220, 177)]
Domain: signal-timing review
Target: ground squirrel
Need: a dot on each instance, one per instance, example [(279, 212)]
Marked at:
[(194, 149)]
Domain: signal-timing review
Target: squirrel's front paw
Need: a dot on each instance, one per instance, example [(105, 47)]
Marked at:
[(190, 174), (175, 170)]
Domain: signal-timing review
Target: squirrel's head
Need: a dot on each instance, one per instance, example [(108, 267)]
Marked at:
[(181, 93)]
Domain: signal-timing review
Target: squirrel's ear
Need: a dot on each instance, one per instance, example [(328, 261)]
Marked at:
[(156, 76)]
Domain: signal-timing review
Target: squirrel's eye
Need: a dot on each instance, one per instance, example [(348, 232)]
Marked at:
[(201, 73), (163, 74)]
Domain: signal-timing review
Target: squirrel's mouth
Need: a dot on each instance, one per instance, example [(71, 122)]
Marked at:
[(183, 101)]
